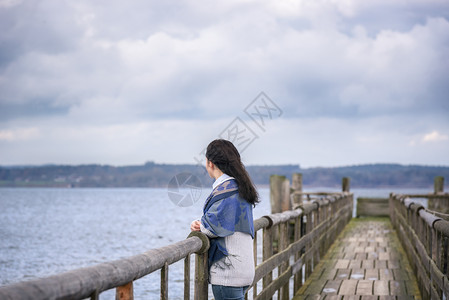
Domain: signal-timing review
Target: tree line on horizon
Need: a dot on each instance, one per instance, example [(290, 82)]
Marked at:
[(152, 174)]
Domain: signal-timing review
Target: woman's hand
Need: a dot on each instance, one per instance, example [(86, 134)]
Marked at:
[(195, 226)]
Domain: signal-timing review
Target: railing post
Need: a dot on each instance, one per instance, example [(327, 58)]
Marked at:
[(276, 193), (164, 282), (279, 194), (297, 235), (345, 184), (438, 184), (124, 292), (187, 278), (201, 268), (282, 245), (267, 252), (297, 187), (201, 276), (309, 260), (439, 203)]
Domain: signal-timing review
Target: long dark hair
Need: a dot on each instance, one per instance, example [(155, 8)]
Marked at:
[(225, 156)]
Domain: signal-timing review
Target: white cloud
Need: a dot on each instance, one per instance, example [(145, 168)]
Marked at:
[(434, 136), (19, 134)]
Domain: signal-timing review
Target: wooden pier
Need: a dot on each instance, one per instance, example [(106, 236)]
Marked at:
[(309, 247), (366, 262)]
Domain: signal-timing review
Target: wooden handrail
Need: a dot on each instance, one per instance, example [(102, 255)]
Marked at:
[(304, 234), (91, 281), (425, 237)]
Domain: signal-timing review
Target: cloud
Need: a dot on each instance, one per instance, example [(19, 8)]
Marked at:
[(115, 66), (19, 134), (434, 136)]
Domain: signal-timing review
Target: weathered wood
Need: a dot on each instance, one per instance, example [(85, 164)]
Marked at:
[(438, 184), (297, 187), (95, 296), (164, 282), (373, 207), (286, 203), (267, 252), (348, 287), (276, 183), (125, 292), (283, 244), (381, 288), (201, 277), (365, 287), (187, 278), (422, 234), (358, 277), (82, 283), (297, 235), (346, 181)]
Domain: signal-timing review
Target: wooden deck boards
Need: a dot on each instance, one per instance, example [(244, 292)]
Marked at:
[(366, 262)]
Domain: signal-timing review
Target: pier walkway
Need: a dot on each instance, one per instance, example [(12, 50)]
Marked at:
[(366, 262)]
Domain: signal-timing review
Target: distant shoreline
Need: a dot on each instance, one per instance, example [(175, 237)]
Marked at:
[(152, 175)]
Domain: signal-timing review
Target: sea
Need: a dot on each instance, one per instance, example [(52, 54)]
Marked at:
[(47, 231)]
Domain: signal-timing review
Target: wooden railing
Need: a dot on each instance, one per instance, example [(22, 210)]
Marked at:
[(425, 237), (295, 241), (292, 244), (90, 282)]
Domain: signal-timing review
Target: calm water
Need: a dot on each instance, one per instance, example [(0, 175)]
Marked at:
[(49, 231)]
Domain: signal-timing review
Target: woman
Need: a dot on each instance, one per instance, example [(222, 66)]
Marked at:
[(228, 221)]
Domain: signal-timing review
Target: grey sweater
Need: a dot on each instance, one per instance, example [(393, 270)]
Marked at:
[(236, 269)]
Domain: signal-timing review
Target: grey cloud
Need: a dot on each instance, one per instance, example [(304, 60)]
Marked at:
[(85, 69), (30, 110), (37, 26)]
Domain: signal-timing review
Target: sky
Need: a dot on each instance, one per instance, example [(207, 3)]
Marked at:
[(308, 82)]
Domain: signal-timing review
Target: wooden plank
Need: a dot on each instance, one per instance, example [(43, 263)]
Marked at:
[(355, 264), (393, 264), (397, 287), (342, 274), (372, 274), (368, 297), (333, 297), (331, 287), (369, 249), (314, 287), (386, 274), (329, 274), (314, 297), (364, 287), (368, 264), (342, 264), (350, 255), (381, 287), (358, 274), (384, 256), (381, 264), (348, 287), (400, 274)]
